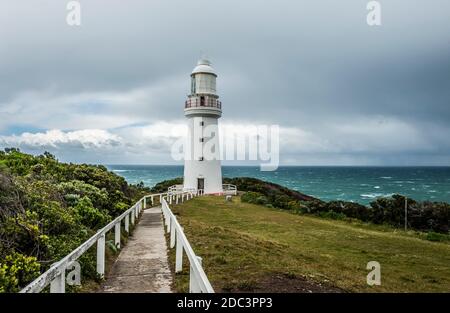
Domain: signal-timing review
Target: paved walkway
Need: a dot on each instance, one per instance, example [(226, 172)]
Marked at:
[(142, 265)]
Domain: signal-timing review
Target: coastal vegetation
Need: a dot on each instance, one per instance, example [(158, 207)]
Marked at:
[(48, 208), (249, 247), (430, 217), (426, 216)]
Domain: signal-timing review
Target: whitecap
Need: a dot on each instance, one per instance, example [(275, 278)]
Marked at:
[(375, 195), (377, 187), (386, 177)]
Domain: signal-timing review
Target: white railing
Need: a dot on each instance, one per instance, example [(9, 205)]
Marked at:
[(198, 281), (55, 275), (229, 189), (175, 189)]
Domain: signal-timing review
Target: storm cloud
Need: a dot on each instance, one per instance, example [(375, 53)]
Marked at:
[(343, 92)]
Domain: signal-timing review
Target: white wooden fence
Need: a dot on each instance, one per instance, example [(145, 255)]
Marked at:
[(198, 281), (55, 276), (229, 189)]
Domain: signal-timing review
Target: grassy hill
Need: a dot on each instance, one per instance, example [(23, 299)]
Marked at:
[(248, 247)]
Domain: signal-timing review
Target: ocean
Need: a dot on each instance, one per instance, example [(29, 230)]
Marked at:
[(358, 184)]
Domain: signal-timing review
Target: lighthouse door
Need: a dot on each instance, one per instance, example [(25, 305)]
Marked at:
[(200, 183)]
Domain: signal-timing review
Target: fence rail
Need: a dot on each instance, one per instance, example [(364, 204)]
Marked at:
[(198, 281), (229, 189), (55, 275)]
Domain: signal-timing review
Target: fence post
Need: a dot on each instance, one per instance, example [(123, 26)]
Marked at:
[(179, 255), (145, 203), (127, 223), (193, 284), (101, 255), (58, 285), (172, 236), (191, 279), (133, 215), (168, 223), (117, 234)]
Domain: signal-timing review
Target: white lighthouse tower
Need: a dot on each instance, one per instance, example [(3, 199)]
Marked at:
[(202, 169)]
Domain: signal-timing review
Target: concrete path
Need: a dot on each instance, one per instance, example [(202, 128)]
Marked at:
[(142, 265)]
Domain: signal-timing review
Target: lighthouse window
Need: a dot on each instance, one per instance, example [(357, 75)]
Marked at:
[(202, 101), (193, 85)]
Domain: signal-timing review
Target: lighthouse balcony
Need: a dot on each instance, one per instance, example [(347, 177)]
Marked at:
[(206, 102), (203, 107)]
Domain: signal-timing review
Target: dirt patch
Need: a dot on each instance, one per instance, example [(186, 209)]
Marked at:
[(282, 283)]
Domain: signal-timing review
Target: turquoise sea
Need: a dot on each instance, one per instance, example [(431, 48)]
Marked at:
[(359, 184)]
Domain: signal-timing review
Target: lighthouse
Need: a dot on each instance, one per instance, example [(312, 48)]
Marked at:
[(202, 168)]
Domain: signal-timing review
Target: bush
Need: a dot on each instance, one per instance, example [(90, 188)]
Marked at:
[(89, 215), (48, 208), (432, 236), (99, 197), (332, 215), (254, 198), (17, 270)]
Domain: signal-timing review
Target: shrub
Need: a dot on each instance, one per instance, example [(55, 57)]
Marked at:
[(89, 215), (17, 270), (48, 208), (432, 236), (332, 215), (99, 197), (254, 198)]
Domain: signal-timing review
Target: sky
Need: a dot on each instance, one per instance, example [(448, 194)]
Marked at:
[(112, 90)]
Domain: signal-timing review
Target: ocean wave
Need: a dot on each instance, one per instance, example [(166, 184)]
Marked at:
[(386, 177), (377, 187), (121, 171), (375, 195)]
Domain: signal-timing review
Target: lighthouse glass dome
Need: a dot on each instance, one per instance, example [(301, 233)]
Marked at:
[(203, 78)]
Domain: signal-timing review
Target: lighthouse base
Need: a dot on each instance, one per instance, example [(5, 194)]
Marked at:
[(203, 175)]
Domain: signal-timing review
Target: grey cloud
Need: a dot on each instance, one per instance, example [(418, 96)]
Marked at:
[(311, 65)]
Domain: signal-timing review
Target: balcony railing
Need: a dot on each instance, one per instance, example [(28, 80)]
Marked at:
[(207, 102)]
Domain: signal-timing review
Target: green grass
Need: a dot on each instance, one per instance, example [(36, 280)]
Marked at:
[(242, 244)]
